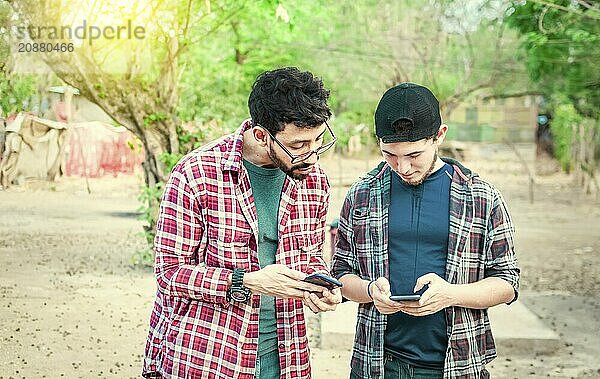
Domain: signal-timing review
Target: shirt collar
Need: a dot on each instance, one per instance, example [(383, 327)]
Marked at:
[(461, 173), (233, 155)]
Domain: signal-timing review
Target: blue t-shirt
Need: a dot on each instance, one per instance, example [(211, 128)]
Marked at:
[(418, 244)]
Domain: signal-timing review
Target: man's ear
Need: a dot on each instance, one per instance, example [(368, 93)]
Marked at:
[(441, 134), (260, 135)]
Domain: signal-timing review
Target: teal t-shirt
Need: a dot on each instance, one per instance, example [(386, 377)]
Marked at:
[(267, 184)]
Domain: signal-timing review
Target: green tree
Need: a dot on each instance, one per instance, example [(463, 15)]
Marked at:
[(460, 49), (135, 81), (561, 42), (16, 91)]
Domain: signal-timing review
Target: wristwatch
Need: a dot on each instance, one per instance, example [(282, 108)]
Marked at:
[(237, 292)]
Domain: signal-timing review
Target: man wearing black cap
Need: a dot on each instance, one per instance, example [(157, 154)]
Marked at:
[(422, 225)]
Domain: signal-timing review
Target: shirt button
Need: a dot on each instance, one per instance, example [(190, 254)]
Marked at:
[(281, 346)]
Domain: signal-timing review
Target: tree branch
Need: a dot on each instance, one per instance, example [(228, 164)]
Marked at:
[(541, 20), (510, 95), (452, 101), (187, 18), (585, 4), (216, 27), (569, 10)]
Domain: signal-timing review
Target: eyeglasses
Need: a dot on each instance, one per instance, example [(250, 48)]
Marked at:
[(304, 156)]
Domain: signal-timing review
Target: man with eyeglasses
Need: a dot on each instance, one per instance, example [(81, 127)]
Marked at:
[(425, 227), (241, 224)]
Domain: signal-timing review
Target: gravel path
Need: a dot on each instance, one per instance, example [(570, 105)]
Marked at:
[(73, 306)]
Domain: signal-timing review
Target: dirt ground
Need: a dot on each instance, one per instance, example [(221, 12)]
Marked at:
[(72, 305)]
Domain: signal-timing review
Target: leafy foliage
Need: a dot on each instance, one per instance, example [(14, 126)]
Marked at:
[(16, 93), (565, 121), (561, 40), (15, 90), (561, 48), (149, 199)]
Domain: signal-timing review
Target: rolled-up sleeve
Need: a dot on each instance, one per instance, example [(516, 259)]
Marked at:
[(344, 260), (501, 260), (179, 263)]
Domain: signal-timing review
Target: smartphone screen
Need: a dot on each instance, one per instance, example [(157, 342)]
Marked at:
[(323, 281)]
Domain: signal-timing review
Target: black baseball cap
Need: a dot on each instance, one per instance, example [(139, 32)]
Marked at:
[(407, 101)]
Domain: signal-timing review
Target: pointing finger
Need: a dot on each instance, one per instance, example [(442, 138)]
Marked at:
[(382, 284), (423, 280)]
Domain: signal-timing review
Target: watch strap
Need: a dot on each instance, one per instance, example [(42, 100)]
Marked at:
[(237, 278)]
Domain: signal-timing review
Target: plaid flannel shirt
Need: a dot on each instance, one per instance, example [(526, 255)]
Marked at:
[(207, 226), (480, 244)]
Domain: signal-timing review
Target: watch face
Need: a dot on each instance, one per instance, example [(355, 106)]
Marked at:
[(239, 295), (237, 292)]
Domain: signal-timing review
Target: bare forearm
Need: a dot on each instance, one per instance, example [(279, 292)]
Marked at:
[(483, 294), (355, 288)]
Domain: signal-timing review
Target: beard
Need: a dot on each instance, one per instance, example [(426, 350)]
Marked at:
[(288, 170), (427, 173)]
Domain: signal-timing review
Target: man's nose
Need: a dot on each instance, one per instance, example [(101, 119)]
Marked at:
[(403, 166), (312, 159)]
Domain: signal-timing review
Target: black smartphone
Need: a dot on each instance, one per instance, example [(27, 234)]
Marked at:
[(405, 297), (323, 281)]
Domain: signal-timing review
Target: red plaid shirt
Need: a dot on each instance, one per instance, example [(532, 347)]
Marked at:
[(206, 227)]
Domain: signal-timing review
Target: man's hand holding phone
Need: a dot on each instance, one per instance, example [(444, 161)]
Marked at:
[(439, 295), (328, 298), (323, 281), (280, 281), (380, 292)]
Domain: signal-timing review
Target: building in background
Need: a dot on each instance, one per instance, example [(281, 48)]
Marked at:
[(512, 119)]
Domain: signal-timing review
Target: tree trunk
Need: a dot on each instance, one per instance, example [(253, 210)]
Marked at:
[(132, 104), (155, 144), (144, 107)]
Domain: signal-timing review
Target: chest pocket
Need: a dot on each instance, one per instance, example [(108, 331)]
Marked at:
[(299, 250), (370, 243), (362, 225), (228, 248)]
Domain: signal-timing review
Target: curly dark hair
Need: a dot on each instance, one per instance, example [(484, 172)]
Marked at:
[(288, 95)]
